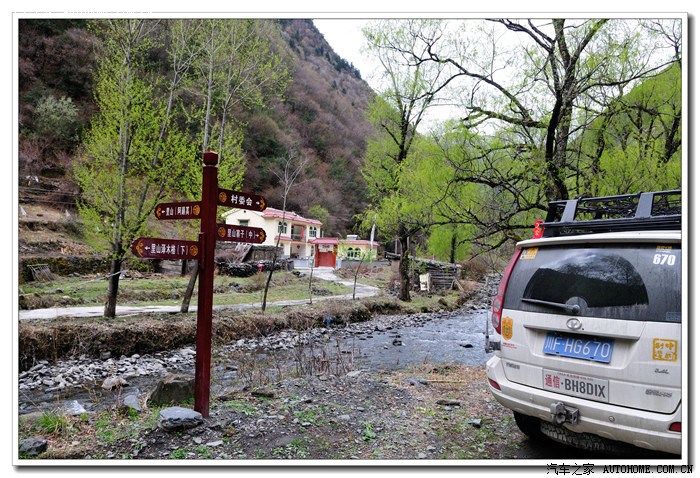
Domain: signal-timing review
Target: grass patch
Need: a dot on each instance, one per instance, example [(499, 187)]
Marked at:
[(368, 432), (164, 290), (86, 436), (239, 406), (298, 448), (314, 415), (53, 423)]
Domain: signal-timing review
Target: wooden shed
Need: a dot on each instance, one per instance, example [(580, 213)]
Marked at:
[(435, 275)]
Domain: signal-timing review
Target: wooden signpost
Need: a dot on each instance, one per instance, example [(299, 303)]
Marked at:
[(174, 249), (178, 210), (237, 199), (203, 251), (251, 235)]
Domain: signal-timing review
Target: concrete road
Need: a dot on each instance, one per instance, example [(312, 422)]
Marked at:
[(324, 273)]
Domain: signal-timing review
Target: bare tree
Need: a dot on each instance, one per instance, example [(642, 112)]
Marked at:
[(294, 164)]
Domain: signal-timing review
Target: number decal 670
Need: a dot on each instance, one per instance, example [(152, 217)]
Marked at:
[(664, 259)]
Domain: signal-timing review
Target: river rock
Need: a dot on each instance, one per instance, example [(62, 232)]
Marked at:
[(74, 408), (449, 402), (417, 381), (114, 382), (132, 402), (476, 422), (173, 389), (33, 446), (31, 418), (178, 418)]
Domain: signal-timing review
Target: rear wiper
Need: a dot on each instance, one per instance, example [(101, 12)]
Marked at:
[(573, 309)]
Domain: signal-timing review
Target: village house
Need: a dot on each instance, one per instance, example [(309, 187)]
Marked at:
[(332, 252), (295, 232), (301, 238), (354, 249)]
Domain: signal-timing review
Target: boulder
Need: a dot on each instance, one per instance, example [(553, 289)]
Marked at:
[(74, 408), (33, 446), (178, 418), (114, 382), (172, 389), (132, 402)]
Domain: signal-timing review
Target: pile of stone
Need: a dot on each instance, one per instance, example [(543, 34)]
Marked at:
[(105, 372)]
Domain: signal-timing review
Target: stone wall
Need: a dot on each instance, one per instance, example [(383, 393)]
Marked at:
[(63, 266)]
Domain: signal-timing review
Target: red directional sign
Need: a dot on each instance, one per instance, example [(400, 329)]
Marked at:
[(173, 249), (203, 251), (178, 210), (230, 233), (237, 199)]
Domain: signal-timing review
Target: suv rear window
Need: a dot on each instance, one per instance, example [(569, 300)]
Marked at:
[(628, 282)]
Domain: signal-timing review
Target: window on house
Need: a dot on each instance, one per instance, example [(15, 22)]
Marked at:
[(243, 222), (312, 231), (354, 253), (282, 227)]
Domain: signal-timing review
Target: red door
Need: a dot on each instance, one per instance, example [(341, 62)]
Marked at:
[(325, 258)]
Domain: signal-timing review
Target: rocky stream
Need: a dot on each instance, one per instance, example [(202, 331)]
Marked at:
[(385, 343)]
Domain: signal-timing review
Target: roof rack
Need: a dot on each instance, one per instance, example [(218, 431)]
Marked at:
[(648, 211)]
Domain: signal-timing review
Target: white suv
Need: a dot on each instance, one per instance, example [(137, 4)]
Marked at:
[(587, 325)]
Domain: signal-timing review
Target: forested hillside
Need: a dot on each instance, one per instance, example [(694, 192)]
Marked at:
[(320, 115)]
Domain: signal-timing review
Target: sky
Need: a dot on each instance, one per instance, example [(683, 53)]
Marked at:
[(346, 39), (345, 36)]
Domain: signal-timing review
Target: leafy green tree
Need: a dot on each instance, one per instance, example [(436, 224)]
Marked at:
[(487, 188), (133, 154), (396, 114), (450, 243), (319, 213), (237, 66), (635, 145), (529, 89)]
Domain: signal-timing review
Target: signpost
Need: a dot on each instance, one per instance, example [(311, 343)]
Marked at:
[(174, 249), (203, 250), (240, 200), (178, 210), (229, 233)]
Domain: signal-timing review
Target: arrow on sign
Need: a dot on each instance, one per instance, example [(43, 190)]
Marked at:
[(173, 249), (178, 210), (230, 233), (237, 199)]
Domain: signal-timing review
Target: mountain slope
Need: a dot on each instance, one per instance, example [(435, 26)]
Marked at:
[(322, 115)]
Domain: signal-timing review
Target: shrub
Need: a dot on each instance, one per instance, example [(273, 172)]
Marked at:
[(475, 269), (57, 118), (53, 423)]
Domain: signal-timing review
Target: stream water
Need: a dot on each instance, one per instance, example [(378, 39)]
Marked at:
[(380, 344), (458, 339)]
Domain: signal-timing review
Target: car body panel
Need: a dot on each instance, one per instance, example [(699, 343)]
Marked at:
[(631, 392)]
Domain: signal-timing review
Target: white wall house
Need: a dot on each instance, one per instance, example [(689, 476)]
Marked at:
[(296, 232)]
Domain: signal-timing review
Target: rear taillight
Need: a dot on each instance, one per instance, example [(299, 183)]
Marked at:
[(494, 384), (497, 305), (675, 427)]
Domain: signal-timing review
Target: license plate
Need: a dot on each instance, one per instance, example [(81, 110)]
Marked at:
[(580, 347), (576, 385)]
